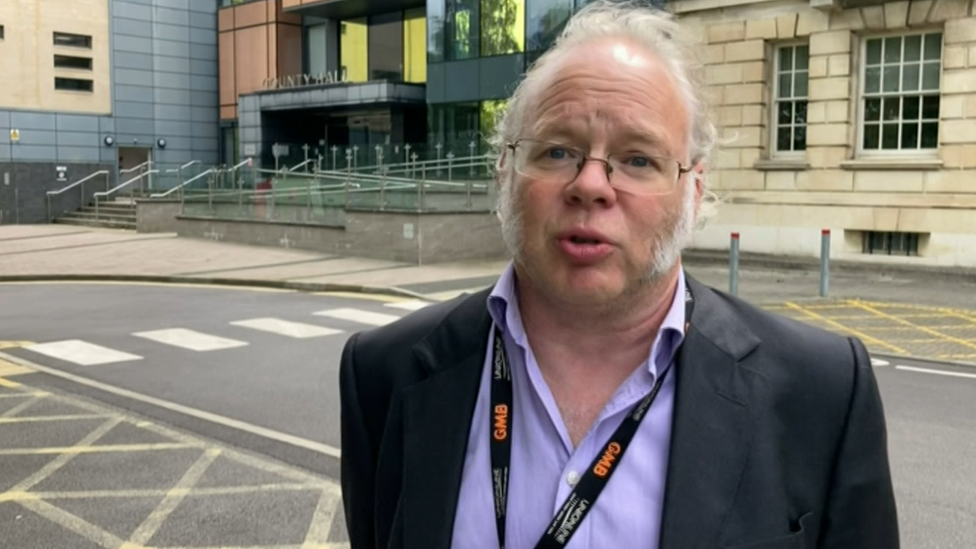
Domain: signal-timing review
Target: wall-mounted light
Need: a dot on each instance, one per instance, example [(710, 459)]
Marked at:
[(109, 141), (161, 143)]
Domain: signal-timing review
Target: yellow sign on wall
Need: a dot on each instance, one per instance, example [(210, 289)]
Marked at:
[(14, 134)]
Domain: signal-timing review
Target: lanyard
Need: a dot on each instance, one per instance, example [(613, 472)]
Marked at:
[(583, 496)]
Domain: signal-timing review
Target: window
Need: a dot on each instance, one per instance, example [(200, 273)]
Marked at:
[(414, 45), (353, 49), (386, 47), (544, 21), (73, 84), (890, 243), (790, 109), (502, 27), (462, 29), (436, 30), (72, 40), (900, 102), (71, 62), (1, 32)]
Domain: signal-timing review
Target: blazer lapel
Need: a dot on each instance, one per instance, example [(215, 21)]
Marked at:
[(437, 420), (711, 431)]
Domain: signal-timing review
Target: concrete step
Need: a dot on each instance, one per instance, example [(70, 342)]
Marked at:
[(91, 222), (115, 210), (106, 218)]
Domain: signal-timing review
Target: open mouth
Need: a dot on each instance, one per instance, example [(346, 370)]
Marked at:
[(583, 240)]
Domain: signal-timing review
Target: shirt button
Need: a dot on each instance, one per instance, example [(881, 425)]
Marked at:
[(572, 478)]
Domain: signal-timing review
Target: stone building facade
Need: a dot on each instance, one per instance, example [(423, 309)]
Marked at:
[(854, 116)]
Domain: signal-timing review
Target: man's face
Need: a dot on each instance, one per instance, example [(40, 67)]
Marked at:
[(588, 241)]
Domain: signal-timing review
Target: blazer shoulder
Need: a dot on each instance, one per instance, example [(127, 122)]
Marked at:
[(793, 348), (387, 352)]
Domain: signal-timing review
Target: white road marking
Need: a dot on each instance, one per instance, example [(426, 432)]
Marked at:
[(360, 316), (297, 330), (936, 372), (877, 362), (81, 352), (200, 414), (413, 305), (190, 339)]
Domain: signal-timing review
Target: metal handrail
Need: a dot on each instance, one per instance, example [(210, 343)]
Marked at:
[(183, 167), (301, 165), (240, 165), (120, 187), (147, 163), (76, 183), (181, 185), (81, 182)]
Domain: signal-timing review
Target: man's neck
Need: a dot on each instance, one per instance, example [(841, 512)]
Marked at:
[(609, 337)]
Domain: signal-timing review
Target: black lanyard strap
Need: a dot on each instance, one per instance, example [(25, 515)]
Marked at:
[(586, 491)]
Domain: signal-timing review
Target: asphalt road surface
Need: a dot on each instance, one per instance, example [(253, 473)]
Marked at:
[(216, 372)]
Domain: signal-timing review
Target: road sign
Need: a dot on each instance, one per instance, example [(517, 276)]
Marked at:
[(14, 134)]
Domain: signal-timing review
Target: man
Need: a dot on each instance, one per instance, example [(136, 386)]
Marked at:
[(597, 396)]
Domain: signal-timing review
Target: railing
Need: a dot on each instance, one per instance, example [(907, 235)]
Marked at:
[(324, 194), (120, 187), (81, 183), (186, 183), (143, 169)]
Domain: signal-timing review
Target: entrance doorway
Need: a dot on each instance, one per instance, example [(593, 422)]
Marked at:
[(129, 158)]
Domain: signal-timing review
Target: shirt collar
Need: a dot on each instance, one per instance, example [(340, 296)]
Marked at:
[(503, 307)]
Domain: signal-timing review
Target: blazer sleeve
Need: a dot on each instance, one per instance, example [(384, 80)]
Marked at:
[(358, 459), (860, 509)]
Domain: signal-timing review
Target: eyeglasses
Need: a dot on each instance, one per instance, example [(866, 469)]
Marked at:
[(632, 172)]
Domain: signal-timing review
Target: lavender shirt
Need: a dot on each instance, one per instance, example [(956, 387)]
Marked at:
[(544, 463)]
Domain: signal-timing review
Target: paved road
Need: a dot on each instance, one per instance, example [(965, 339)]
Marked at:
[(133, 355)]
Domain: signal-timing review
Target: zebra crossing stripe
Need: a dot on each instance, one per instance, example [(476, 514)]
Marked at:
[(360, 316), (287, 328), (81, 352), (414, 305), (190, 339)]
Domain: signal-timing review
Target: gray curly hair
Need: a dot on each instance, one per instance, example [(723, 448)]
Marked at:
[(654, 29)]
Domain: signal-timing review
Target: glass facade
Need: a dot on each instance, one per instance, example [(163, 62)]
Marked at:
[(462, 29), (544, 22), (386, 46), (502, 27), (354, 49), (414, 46), (389, 46)]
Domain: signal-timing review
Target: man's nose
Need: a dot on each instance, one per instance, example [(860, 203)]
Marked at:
[(592, 185)]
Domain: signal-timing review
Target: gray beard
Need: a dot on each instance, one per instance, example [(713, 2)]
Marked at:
[(666, 248)]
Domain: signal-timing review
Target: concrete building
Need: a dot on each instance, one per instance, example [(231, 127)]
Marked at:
[(89, 85)]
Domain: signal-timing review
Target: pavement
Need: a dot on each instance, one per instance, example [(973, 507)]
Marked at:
[(896, 312)]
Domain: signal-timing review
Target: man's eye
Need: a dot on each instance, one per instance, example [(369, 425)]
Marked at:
[(557, 153), (639, 161)]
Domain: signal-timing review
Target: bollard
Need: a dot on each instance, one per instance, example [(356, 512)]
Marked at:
[(824, 262), (734, 265)]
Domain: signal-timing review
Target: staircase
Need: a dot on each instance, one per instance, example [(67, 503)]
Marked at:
[(117, 214)]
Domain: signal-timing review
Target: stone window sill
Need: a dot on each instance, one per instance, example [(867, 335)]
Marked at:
[(781, 165), (900, 164)]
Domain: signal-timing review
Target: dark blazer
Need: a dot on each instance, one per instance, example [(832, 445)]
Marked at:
[(778, 441)]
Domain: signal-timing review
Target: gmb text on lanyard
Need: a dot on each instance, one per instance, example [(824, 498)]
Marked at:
[(584, 494)]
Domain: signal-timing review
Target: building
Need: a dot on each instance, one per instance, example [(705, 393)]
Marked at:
[(93, 85), (850, 115), (856, 116)]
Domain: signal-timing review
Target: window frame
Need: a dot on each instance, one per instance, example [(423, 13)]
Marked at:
[(89, 39), (71, 90), (773, 118), (861, 63)]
